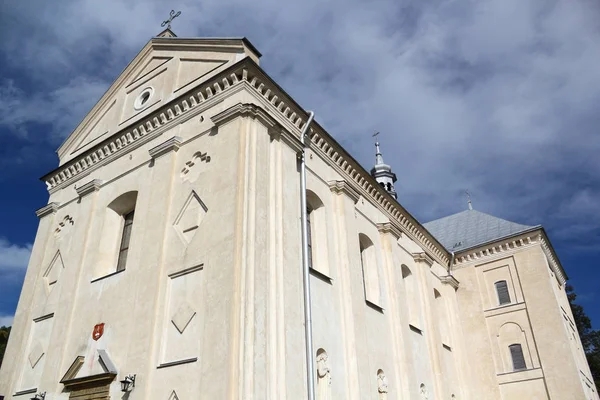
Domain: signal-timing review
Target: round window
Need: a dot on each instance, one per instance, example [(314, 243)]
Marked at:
[(142, 100)]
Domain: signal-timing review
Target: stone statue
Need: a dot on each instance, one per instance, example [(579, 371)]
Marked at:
[(382, 385), (423, 392), (323, 376)]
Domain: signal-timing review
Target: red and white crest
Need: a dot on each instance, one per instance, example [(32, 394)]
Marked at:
[(98, 331)]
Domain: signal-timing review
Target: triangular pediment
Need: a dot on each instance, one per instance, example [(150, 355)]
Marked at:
[(99, 369), (165, 69)]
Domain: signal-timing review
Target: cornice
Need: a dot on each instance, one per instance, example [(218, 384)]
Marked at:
[(450, 280), (248, 74), (553, 259), (508, 246), (48, 209), (345, 188), (172, 144), (423, 257), (244, 109), (390, 228), (90, 187)]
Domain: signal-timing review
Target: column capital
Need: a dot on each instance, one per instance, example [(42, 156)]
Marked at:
[(172, 144), (48, 209), (343, 187), (423, 257), (450, 280), (90, 187), (388, 227)]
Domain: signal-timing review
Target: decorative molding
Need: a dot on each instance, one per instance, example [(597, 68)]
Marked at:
[(450, 280), (423, 257), (186, 271), (247, 74), (390, 228), (552, 259), (179, 362), (343, 187), (508, 246), (172, 144), (48, 209), (26, 391), (92, 186), (244, 110), (106, 361), (43, 317)]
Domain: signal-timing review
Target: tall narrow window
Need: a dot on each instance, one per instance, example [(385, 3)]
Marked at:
[(370, 269), (502, 291), (518, 360), (124, 248), (309, 236)]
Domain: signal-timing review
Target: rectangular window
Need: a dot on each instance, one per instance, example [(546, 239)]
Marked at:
[(502, 291), (124, 248), (518, 360)]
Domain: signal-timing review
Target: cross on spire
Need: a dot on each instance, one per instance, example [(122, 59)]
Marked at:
[(469, 199), (378, 156), (172, 16)]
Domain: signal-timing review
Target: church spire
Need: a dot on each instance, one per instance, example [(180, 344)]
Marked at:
[(382, 172)]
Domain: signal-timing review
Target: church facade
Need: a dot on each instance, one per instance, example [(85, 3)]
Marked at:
[(167, 263)]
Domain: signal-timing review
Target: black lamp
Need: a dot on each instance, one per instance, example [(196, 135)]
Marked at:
[(128, 383)]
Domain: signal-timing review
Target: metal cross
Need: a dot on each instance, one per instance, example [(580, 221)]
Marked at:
[(469, 199), (172, 16), (375, 134)]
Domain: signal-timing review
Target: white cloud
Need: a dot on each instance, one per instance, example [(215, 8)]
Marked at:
[(6, 320), (498, 96), (13, 257)]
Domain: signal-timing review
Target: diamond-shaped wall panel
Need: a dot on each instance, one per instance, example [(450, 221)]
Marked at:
[(190, 217), (183, 316), (36, 354), (54, 270)]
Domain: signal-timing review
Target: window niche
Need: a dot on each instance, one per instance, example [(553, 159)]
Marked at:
[(370, 269), (442, 317), (115, 239), (412, 297), (316, 221), (514, 350)]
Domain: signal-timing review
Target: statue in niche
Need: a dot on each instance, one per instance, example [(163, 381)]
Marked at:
[(423, 392), (323, 376), (382, 385)]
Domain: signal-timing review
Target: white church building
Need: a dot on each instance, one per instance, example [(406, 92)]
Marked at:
[(168, 261)]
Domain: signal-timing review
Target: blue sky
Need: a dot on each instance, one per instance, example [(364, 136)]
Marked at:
[(500, 97)]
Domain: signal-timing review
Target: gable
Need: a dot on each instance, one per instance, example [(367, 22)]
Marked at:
[(166, 68)]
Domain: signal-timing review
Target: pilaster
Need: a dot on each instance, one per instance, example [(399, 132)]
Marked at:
[(424, 262), (344, 201), (156, 208), (389, 238)]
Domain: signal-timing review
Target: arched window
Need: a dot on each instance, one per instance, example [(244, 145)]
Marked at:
[(115, 240), (316, 222), (516, 354), (309, 236), (502, 292), (513, 346), (412, 297), (368, 258), (125, 239), (442, 317)]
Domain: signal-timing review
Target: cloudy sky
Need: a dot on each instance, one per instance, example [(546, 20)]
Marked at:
[(500, 97)]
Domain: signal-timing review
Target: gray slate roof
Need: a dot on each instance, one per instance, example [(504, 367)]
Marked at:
[(471, 228)]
